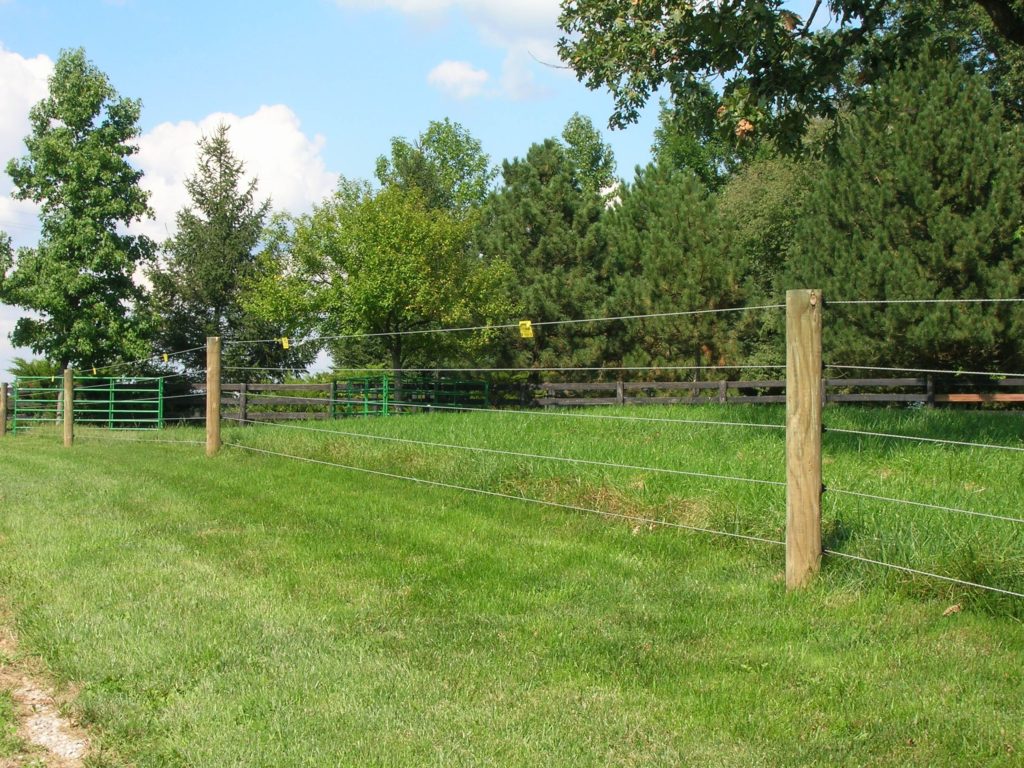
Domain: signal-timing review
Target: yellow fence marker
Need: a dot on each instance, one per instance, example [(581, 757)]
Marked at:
[(526, 329), (165, 357), (284, 342)]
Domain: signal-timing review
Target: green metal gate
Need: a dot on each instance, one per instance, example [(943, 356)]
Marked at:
[(125, 403)]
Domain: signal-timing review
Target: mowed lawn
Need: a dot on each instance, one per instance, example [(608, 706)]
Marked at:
[(253, 610)]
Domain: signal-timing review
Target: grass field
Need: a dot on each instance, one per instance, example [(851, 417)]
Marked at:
[(255, 610)]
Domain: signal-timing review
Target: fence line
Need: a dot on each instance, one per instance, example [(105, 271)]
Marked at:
[(812, 304)]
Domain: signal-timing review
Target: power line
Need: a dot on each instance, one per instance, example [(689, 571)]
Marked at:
[(511, 497), (924, 505), (917, 572), (520, 455)]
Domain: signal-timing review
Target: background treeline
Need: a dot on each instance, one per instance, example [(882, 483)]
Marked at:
[(911, 187)]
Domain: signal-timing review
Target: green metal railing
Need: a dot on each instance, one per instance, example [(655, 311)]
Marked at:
[(114, 403)]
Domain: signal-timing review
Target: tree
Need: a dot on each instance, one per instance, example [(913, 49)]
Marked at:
[(376, 268), (197, 291), (689, 137), (446, 164), (542, 223), (924, 200), (666, 253), (778, 69), (590, 154), (78, 279)]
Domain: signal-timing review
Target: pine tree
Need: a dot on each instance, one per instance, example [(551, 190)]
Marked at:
[(199, 289), (923, 201), (542, 223), (667, 254)]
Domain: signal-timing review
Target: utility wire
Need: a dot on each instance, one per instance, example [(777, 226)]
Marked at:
[(923, 505), (917, 572), (520, 455), (506, 326), (935, 440), (509, 496)]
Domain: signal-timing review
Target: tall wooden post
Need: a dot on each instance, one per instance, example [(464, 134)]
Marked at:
[(212, 395), (69, 407), (803, 436), (3, 409)]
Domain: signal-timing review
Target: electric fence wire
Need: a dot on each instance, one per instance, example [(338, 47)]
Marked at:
[(521, 455), (922, 505), (544, 413), (512, 497), (883, 302), (154, 357), (934, 440), (505, 326), (938, 371), (541, 369), (927, 574)]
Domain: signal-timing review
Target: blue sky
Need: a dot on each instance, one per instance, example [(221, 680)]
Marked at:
[(311, 88)]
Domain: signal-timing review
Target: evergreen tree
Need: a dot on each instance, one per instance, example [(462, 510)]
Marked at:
[(78, 280), (542, 223), (199, 289), (923, 201), (666, 251)]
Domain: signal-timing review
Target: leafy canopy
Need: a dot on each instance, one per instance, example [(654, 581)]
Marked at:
[(777, 69)]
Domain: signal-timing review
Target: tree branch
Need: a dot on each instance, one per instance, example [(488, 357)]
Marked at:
[(1007, 19)]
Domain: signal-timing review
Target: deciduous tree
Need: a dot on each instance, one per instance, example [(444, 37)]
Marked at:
[(78, 281)]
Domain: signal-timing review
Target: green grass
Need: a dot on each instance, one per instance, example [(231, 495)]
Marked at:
[(252, 610), (10, 744)]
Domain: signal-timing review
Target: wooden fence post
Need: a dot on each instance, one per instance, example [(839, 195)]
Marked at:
[(69, 407), (212, 395), (803, 436), (243, 403), (620, 392), (3, 409)]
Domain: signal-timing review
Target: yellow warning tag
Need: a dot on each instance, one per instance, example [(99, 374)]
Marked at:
[(165, 357), (284, 342), (526, 329), (94, 370)]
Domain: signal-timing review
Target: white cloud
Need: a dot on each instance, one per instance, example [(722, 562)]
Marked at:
[(458, 79), (287, 164), (23, 82), (526, 29)]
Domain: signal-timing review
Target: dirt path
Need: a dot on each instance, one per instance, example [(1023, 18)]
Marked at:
[(50, 739)]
